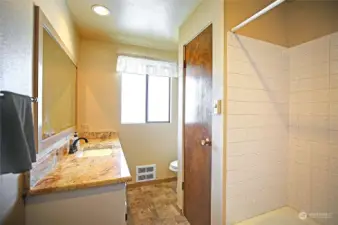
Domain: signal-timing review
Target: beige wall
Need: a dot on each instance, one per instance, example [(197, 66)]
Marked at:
[(270, 27), (16, 40), (209, 11), (99, 106), (309, 20), (59, 16), (292, 23)]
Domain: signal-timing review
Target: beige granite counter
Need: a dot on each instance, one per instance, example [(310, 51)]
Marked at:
[(77, 171)]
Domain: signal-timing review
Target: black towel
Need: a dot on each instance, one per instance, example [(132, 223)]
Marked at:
[(17, 133)]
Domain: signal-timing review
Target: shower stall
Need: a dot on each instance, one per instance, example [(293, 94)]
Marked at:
[(282, 125)]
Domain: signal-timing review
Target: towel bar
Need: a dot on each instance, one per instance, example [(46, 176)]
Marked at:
[(34, 99)]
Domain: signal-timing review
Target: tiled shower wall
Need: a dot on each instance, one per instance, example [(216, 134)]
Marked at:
[(313, 156), (257, 127)]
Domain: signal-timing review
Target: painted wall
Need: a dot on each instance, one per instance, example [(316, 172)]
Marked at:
[(281, 25), (16, 40), (99, 106), (314, 19), (209, 11), (313, 153), (257, 127), (59, 16), (270, 27)]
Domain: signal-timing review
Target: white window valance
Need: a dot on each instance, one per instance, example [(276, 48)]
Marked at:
[(142, 66)]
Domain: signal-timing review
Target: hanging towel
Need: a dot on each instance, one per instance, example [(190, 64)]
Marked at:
[(17, 133)]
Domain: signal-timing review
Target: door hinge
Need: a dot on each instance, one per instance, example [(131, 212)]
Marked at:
[(184, 64), (126, 216), (182, 185)]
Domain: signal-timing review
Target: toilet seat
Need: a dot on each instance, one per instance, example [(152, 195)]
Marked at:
[(174, 166)]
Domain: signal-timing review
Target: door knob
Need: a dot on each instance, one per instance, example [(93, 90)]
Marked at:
[(206, 142)]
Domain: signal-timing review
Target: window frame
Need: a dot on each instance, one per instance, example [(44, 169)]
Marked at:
[(146, 121)]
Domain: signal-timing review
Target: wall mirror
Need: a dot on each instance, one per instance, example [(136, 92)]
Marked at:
[(54, 85)]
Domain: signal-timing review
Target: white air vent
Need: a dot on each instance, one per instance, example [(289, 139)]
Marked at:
[(145, 173)]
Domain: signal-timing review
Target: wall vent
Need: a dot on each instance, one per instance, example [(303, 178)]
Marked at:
[(145, 173)]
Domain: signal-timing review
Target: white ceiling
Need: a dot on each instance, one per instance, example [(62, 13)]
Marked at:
[(148, 23)]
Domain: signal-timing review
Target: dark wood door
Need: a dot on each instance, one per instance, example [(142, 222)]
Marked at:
[(197, 128)]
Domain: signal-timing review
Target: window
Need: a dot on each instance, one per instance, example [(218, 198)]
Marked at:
[(145, 89), (145, 99)]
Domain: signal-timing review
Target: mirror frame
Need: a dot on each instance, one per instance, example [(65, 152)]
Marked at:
[(41, 23)]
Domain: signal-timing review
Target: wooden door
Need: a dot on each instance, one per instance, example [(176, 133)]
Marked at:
[(197, 128)]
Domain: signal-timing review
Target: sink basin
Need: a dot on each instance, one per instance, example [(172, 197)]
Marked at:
[(94, 152)]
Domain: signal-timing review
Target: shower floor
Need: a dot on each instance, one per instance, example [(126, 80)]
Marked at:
[(281, 216)]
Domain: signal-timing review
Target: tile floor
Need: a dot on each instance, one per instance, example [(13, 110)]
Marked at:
[(154, 205)]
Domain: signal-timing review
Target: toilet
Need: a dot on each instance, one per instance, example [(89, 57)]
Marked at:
[(174, 166)]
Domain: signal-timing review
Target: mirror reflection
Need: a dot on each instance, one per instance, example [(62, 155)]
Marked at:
[(59, 88)]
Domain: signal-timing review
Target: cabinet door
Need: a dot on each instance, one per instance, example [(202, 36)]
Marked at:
[(102, 205)]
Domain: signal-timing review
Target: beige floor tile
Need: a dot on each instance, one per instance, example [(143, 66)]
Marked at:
[(154, 205)]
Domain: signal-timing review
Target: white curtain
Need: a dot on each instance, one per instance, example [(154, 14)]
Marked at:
[(142, 66)]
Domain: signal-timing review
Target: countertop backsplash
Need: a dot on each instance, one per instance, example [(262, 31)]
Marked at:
[(47, 163), (98, 134)]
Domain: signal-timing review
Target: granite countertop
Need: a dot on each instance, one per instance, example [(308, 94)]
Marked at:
[(77, 172)]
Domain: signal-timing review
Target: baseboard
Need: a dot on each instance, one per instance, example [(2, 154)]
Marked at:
[(179, 209), (152, 182)]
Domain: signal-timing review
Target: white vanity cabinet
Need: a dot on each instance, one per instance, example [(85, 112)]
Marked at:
[(104, 205)]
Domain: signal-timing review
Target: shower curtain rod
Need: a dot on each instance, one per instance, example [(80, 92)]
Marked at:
[(258, 14)]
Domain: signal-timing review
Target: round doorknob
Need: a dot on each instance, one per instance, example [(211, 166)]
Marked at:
[(206, 142)]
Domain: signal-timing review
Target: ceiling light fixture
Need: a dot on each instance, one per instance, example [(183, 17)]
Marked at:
[(100, 10)]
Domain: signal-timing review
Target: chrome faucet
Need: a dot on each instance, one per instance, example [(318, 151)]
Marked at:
[(73, 147)]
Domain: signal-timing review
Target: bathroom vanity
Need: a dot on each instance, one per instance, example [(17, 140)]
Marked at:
[(88, 187)]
